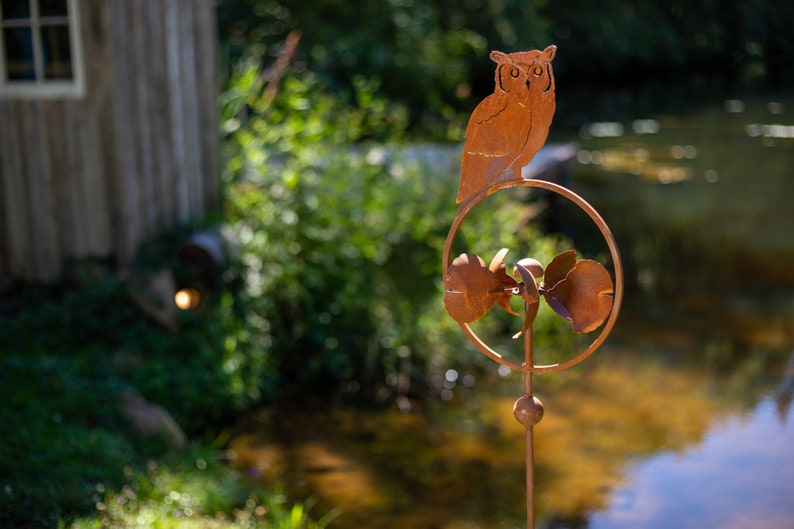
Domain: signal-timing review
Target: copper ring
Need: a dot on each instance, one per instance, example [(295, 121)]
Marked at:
[(466, 208)]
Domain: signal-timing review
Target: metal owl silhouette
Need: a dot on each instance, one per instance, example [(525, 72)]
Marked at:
[(509, 126)]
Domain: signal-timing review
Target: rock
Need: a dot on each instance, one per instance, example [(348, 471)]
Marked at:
[(151, 421), (124, 361), (154, 294)]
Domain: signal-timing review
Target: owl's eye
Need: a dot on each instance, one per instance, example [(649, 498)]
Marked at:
[(514, 73), (538, 70)]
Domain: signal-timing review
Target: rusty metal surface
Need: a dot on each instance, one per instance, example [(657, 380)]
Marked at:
[(504, 133), (509, 126), (472, 287)]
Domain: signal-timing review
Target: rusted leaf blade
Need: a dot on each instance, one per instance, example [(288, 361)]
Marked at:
[(498, 261), (558, 268), (530, 290), (497, 266), (584, 296), (531, 298), (472, 289)]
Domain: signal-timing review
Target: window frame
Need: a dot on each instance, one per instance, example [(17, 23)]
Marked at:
[(42, 88)]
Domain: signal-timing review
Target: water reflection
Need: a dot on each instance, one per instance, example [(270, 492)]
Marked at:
[(740, 476), (683, 419), (657, 435), (733, 164)]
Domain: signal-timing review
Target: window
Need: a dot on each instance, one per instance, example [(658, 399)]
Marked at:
[(40, 51)]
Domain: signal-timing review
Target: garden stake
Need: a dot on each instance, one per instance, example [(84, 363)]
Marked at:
[(503, 135)]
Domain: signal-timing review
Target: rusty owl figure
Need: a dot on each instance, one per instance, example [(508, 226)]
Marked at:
[(509, 126)]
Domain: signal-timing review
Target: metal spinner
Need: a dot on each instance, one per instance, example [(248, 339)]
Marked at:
[(580, 290)]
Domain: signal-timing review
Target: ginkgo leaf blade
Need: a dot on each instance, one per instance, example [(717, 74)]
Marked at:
[(531, 298), (509, 284), (472, 289), (558, 268), (585, 296)]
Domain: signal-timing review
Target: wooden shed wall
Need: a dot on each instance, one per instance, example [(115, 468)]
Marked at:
[(98, 175)]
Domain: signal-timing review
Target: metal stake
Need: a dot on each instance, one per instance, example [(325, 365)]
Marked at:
[(530, 449), (581, 291)]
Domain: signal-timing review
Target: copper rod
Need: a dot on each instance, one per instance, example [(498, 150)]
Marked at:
[(530, 463), (528, 410), (530, 451)]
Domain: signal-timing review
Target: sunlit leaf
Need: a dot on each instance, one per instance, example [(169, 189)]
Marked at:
[(497, 266), (579, 291), (468, 296), (531, 298), (558, 268), (498, 261), (584, 296), (472, 289), (530, 290), (533, 265), (459, 307)]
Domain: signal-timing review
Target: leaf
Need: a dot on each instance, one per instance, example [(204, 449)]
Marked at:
[(584, 296), (469, 283), (558, 268), (498, 261), (529, 293), (472, 289), (497, 266), (531, 298), (533, 265)]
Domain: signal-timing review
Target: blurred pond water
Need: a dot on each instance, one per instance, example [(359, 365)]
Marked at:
[(664, 434), (683, 419), (699, 197)]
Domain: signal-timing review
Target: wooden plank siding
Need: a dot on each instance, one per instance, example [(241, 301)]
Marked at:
[(99, 175)]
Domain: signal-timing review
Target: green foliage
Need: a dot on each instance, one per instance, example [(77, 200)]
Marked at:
[(198, 492), (57, 428), (433, 56), (423, 53), (69, 455), (100, 333), (340, 239)]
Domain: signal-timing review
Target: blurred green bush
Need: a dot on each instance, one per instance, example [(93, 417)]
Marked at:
[(432, 56), (333, 286), (69, 457), (340, 238)]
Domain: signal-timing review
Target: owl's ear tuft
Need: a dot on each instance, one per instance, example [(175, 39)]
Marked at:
[(550, 52), (498, 56)]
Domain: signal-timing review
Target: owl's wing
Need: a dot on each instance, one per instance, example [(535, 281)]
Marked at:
[(485, 133), (489, 147)]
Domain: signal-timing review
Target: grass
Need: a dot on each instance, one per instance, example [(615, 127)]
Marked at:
[(70, 459), (197, 492)]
